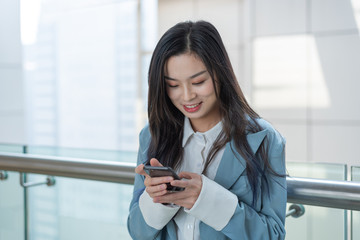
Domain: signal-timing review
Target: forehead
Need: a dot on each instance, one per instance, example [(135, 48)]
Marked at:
[(183, 66)]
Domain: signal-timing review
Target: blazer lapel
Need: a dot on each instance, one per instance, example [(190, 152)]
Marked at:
[(171, 230), (232, 164)]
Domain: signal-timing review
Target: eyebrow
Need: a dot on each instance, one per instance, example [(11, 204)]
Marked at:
[(191, 77)]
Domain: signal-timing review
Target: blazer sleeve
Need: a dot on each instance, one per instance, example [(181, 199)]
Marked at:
[(137, 227), (267, 219)]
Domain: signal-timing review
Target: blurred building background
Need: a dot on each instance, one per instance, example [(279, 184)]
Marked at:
[(73, 74)]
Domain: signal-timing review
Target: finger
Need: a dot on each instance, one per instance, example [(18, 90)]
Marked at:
[(188, 175), (179, 183), (158, 194), (186, 203), (156, 189), (160, 180), (169, 198), (140, 170), (179, 198), (154, 162)]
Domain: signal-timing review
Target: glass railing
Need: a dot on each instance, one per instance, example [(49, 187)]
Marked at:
[(86, 209), (109, 155), (79, 209), (12, 224), (355, 215), (13, 148), (72, 208), (317, 222)]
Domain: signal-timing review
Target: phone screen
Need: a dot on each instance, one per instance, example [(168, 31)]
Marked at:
[(162, 172)]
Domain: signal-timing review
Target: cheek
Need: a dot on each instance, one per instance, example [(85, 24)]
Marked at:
[(208, 90), (172, 94)]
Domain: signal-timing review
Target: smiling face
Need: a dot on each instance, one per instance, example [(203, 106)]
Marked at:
[(191, 90)]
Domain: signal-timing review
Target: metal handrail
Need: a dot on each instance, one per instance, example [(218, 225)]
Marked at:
[(109, 171), (325, 193)]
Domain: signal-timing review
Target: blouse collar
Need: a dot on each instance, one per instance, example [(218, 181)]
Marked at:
[(209, 135)]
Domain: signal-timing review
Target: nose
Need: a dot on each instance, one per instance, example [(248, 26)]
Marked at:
[(188, 93)]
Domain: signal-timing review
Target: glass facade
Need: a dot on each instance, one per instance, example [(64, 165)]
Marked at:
[(81, 72)]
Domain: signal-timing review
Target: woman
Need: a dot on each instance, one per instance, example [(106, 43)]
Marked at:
[(230, 160)]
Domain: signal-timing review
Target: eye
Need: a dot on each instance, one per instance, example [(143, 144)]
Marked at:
[(198, 83), (172, 86)]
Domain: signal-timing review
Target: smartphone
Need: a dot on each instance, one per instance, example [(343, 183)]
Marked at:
[(162, 172)]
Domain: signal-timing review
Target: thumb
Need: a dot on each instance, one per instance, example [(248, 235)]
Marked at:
[(155, 163), (140, 169)]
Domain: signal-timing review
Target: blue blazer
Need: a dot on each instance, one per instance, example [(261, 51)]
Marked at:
[(263, 221)]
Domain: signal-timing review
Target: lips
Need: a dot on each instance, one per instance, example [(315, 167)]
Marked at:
[(192, 108)]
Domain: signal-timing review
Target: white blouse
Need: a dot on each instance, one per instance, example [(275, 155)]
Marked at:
[(215, 205)]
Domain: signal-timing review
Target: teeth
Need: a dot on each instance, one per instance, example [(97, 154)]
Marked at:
[(192, 106)]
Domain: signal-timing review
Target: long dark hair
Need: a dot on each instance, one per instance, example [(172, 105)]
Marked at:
[(166, 121)]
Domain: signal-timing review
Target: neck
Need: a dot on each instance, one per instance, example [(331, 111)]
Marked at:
[(199, 125)]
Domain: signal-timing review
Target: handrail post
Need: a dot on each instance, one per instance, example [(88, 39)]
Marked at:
[(296, 210), (50, 181), (26, 210), (3, 175)]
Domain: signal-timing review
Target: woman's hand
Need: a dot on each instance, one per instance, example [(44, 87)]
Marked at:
[(154, 186), (192, 183)]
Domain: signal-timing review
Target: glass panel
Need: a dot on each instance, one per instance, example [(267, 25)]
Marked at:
[(11, 201), (317, 222), (73, 208), (78, 209), (11, 148), (330, 171), (355, 173), (355, 176), (11, 208), (120, 156)]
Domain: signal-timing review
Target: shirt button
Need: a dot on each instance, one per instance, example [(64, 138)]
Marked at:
[(189, 226)]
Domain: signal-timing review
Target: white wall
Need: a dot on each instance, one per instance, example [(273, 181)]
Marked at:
[(227, 16), (12, 112), (298, 64), (306, 57)]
